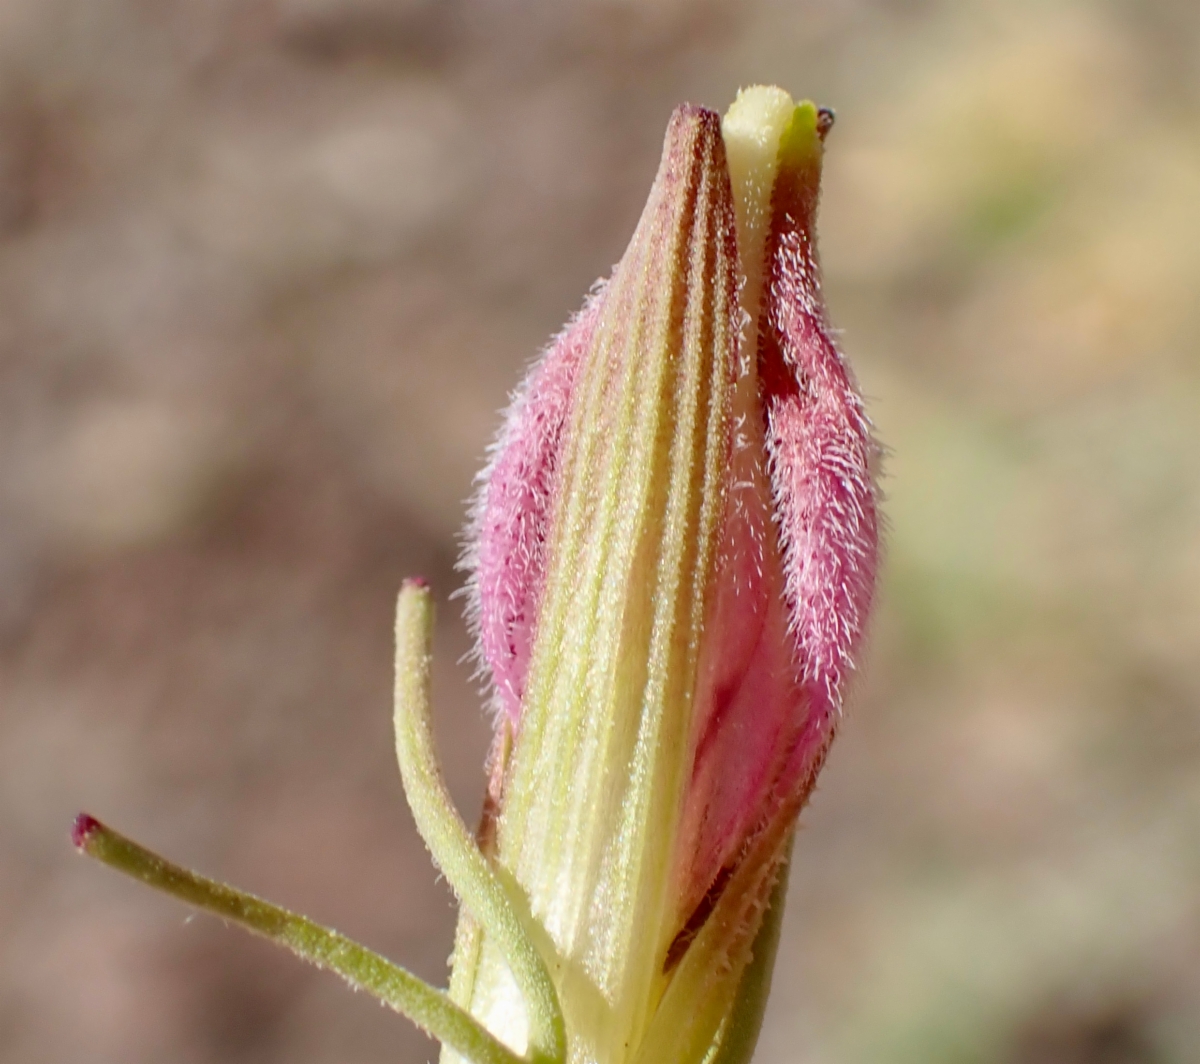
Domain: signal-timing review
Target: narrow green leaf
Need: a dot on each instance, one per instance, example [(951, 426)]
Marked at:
[(428, 1008), (451, 843)]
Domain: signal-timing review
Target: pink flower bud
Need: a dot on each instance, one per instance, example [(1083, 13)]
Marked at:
[(673, 559)]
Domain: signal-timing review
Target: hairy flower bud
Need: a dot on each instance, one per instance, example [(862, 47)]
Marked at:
[(673, 558)]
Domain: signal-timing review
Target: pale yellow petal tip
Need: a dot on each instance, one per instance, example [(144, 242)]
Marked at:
[(752, 129), (763, 129), (764, 126), (758, 115)]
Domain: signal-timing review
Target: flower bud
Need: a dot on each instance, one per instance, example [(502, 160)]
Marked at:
[(673, 557)]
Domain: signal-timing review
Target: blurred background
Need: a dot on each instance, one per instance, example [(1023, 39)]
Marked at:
[(268, 269)]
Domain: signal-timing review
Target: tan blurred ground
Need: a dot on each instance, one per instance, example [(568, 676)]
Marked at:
[(267, 270)]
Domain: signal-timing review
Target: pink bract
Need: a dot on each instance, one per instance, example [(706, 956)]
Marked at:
[(509, 527)]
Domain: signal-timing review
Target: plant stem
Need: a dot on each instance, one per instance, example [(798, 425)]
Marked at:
[(428, 1008), (449, 840)]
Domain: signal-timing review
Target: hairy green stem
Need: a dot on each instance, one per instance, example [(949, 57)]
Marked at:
[(429, 1009), (449, 840)]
